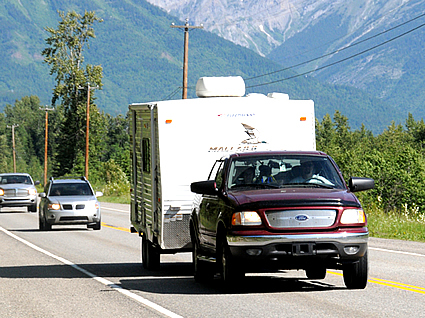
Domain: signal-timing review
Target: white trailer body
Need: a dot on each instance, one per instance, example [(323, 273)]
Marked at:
[(174, 143)]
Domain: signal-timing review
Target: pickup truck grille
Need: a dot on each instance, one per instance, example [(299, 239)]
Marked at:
[(15, 192), (301, 218)]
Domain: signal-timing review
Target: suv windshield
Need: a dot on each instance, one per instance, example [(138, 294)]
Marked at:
[(64, 189), (283, 171)]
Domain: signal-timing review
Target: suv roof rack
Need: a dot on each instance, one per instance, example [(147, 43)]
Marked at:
[(68, 177)]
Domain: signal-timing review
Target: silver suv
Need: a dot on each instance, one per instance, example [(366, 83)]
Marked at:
[(69, 201), (18, 190)]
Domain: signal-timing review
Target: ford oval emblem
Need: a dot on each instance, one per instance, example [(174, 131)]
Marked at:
[(301, 217)]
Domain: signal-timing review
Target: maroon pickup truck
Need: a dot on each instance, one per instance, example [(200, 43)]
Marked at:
[(279, 210)]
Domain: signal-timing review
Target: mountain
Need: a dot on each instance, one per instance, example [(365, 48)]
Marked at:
[(375, 46), (142, 55)]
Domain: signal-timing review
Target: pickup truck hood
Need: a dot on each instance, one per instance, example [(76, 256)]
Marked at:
[(267, 198)]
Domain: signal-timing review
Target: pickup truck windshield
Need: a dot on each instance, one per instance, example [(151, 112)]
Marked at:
[(284, 171)]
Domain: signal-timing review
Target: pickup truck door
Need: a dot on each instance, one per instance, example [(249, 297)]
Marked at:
[(210, 208)]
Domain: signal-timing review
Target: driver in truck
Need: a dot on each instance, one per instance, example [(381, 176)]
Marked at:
[(308, 175)]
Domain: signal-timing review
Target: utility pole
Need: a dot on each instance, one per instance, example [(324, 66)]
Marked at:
[(88, 126), (186, 51), (13, 145), (46, 109)]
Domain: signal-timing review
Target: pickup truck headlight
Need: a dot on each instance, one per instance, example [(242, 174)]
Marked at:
[(1, 192), (353, 216), (246, 218), (32, 191)]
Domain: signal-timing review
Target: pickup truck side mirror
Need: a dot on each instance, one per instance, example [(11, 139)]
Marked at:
[(360, 184), (204, 187)]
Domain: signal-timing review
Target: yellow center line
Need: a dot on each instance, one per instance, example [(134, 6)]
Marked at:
[(116, 228), (389, 283)]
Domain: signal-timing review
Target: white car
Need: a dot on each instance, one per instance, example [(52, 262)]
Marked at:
[(69, 201), (18, 190)]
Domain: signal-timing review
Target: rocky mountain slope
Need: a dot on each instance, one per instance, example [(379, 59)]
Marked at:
[(264, 25)]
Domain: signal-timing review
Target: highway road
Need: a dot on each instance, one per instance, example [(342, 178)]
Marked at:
[(75, 272)]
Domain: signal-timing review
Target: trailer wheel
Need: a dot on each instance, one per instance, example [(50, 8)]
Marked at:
[(150, 255), (355, 275)]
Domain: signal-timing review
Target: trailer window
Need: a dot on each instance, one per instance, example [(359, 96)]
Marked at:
[(146, 155)]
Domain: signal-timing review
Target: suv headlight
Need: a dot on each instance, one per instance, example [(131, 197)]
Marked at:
[(353, 216), (54, 206), (246, 218)]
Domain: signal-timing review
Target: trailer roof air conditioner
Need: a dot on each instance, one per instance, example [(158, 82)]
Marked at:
[(229, 86)]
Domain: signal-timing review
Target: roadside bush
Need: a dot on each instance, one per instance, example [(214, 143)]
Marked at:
[(115, 180)]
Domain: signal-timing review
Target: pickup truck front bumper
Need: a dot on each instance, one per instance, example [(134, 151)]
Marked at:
[(295, 248)]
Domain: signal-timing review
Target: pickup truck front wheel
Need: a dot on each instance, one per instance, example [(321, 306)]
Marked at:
[(355, 275), (228, 268)]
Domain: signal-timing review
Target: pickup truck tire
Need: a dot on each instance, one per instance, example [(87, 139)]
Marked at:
[(201, 270), (32, 208), (227, 266), (150, 256), (317, 272), (355, 275)]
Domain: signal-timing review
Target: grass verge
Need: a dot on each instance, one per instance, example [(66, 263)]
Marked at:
[(394, 225)]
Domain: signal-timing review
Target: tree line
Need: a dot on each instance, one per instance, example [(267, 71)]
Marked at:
[(109, 160), (394, 159)]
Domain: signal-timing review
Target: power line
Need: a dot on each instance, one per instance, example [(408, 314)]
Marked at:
[(339, 50), (172, 94), (337, 62)]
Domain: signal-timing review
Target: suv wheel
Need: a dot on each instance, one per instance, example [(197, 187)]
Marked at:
[(96, 226), (40, 224), (355, 275), (43, 224)]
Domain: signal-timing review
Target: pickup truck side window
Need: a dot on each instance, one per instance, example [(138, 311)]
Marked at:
[(217, 173)]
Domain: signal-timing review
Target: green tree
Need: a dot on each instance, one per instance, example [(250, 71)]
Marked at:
[(64, 54), (29, 134), (6, 153)]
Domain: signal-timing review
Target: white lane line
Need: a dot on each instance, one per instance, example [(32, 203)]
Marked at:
[(396, 252), (101, 280), (103, 208)]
